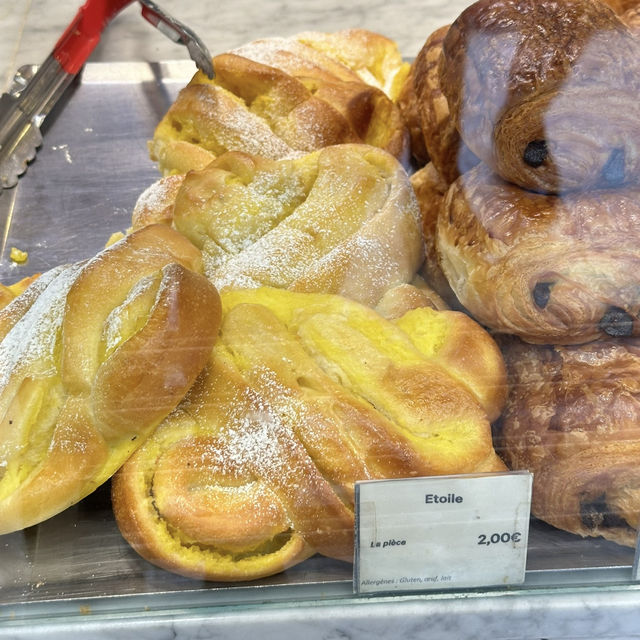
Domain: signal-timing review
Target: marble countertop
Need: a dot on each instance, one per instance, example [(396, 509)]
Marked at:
[(28, 31)]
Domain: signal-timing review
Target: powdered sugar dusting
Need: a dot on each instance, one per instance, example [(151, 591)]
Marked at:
[(236, 128), (276, 260), (276, 52), (112, 329), (30, 344), (254, 439), (155, 203)]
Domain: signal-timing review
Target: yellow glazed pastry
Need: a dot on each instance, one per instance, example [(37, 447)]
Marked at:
[(93, 356), (303, 395), (343, 219)]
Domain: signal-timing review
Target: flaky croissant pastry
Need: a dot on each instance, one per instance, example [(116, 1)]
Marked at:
[(545, 92), (549, 269), (343, 219), (573, 418), (426, 109), (280, 97), (305, 394), (93, 356)]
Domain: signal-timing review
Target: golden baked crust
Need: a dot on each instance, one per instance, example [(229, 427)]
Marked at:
[(631, 17), (549, 269), (573, 419), (446, 150), (94, 355), (621, 6), (404, 297), (304, 395), (343, 219), (280, 97), (155, 204), (545, 92), (374, 58), (12, 291), (408, 105), (430, 189)]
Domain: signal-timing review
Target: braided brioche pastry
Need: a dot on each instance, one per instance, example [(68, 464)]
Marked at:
[(573, 418), (374, 58), (280, 97), (545, 92), (305, 394), (93, 356), (549, 269), (343, 219)]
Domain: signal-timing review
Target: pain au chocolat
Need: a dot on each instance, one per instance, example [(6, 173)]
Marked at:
[(343, 219), (549, 269), (537, 237), (304, 394), (544, 92), (572, 419), (93, 356), (279, 97)]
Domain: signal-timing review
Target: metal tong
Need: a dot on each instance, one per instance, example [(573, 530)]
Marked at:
[(23, 110)]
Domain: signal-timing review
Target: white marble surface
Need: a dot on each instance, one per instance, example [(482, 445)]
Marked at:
[(30, 28), (589, 615), (28, 32)]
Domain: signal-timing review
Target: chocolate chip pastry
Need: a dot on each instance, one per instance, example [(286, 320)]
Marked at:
[(536, 234)]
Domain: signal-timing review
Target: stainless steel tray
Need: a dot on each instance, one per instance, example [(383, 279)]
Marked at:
[(81, 188)]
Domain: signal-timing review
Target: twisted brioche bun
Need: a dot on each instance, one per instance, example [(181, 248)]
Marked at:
[(343, 219), (281, 97), (94, 355), (305, 394), (572, 418)]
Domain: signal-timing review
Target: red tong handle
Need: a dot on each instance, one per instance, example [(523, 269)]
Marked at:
[(83, 34)]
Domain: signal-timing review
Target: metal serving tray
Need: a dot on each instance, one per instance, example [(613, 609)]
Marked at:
[(81, 188)]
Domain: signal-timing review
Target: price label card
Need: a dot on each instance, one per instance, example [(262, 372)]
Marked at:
[(442, 532)]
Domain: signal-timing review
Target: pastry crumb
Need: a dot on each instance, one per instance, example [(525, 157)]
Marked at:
[(18, 256)]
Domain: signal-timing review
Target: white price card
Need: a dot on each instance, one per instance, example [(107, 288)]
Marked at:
[(442, 532)]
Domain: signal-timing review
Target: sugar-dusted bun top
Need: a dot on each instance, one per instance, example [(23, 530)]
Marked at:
[(304, 395), (280, 97), (343, 219)]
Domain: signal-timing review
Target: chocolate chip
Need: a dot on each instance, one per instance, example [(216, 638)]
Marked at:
[(536, 153), (613, 170), (616, 322), (597, 513), (541, 293)]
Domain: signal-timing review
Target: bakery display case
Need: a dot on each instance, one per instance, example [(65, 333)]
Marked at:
[(244, 317)]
